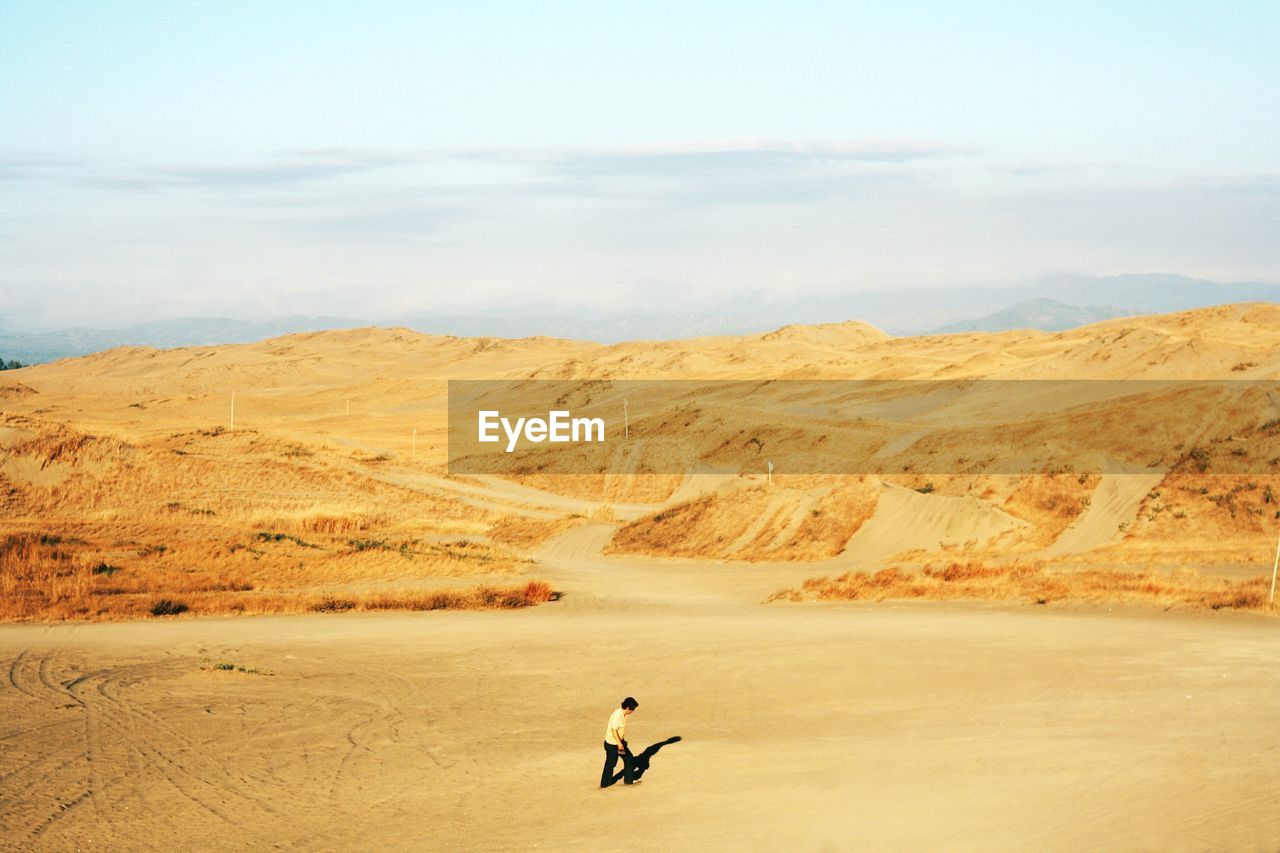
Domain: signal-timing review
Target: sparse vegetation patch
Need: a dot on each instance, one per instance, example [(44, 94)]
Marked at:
[(1034, 584)]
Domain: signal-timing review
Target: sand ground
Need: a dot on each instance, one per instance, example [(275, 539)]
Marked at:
[(804, 726)]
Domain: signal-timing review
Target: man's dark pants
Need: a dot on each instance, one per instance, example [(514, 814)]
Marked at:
[(611, 761)]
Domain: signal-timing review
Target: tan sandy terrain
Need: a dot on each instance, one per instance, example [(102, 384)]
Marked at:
[(1127, 701), (803, 726)]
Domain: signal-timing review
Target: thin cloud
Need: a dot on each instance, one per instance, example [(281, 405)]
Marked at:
[(1043, 168), (1262, 184), (712, 158), (715, 173), (28, 165), (520, 171), (272, 173), (1036, 168), (380, 223)]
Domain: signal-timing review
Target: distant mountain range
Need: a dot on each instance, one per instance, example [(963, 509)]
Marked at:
[(1043, 313), (527, 321), (37, 347), (1052, 303), (40, 347), (920, 311)]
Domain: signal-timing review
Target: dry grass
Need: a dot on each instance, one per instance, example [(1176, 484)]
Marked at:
[(239, 479), (524, 533), (1212, 507), (798, 519), (703, 527), (1037, 585), (331, 525), (57, 577), (216, 520), (1050, 501), (829, 523), (476, 598), (626, 486)]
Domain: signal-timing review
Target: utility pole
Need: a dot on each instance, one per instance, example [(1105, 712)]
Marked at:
[(1274, 566), (626, 421), (770, 464)]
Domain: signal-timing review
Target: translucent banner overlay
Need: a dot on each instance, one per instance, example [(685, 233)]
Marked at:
[(974, 426)]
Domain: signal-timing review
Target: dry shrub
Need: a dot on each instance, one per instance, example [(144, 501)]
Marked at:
[(168, 607), (329, 604), (1036, 584), (481, 597), (603, 515)]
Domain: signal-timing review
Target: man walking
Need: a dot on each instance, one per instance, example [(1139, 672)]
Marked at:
[(615, 744)]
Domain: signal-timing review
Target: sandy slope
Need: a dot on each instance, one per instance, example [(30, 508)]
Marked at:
[(368, 404), (1115, 502), (905, 520), (363, 410)]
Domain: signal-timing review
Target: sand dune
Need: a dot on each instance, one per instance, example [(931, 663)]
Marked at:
[(811, 726), (905, 520), (352, 423)]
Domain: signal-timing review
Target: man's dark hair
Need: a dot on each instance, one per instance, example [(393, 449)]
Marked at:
[(630, 704)]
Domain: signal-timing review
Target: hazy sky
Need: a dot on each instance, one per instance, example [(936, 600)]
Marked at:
[(370, 159)]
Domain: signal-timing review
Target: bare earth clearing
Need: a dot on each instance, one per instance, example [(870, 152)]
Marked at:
[(807, 727), (804, 726)]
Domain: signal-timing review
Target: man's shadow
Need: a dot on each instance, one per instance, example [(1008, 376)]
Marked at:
[(640, 763)]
